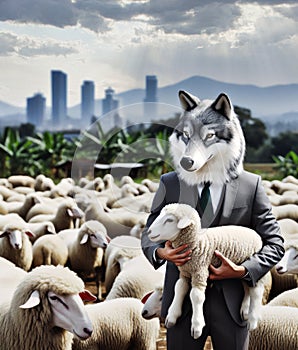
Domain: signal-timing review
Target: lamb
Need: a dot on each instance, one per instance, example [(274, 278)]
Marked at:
[(43, 183), (49, 250), (281, 187), (86, 250), (45, 312), (21, 180), (289, 263), (276, 329), (288, 227), (136, 278), (180, 223), (112, 332), (119, 250), (16, 246), (40, 229)]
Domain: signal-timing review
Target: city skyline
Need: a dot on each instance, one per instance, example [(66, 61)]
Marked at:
[(117, 43)]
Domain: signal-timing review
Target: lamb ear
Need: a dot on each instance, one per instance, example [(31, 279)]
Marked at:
[(84, 239), (69, 212), (146, 297), (223, 105), (33, 300), (184, 222), (3, 234), (188, 101), (29, 233)]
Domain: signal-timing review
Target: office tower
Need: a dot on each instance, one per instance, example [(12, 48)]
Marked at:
[(36, 109), (109, 103), (150, 106), (87, 100), (59, 104)]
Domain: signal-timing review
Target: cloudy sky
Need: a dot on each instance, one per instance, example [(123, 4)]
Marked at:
[(117, 42)]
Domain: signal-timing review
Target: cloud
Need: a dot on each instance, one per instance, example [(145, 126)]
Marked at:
[(27, 47)]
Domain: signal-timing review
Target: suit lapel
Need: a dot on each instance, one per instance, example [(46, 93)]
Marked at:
[(230, 196)]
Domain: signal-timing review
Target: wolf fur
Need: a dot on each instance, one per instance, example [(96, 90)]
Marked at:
[(208, 142)]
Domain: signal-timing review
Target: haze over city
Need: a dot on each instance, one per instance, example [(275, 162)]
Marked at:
[(117, 43)]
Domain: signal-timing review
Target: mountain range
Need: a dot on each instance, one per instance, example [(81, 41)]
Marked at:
[(270, 103)]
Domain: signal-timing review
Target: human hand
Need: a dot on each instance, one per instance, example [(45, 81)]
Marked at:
[(227, 269), (178, 256)]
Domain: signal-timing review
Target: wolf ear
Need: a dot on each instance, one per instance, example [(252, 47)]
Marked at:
[(188, 101), (223, 105)]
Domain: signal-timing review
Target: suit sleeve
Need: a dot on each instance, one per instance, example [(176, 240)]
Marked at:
[(148, 246), (265, 224)]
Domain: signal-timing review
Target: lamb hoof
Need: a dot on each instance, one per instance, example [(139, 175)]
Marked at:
[(196, 332), (252, 324), (169, 323)]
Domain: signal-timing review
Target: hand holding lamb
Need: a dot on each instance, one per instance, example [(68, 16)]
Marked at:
[(180, 224)]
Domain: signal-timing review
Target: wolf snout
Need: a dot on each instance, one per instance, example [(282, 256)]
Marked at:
[(186, 163)]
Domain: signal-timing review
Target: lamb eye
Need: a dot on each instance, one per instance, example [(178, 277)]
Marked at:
[(186, 134), (168, 220), (54, 298)]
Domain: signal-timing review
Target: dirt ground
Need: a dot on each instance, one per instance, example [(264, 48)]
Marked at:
[(161, 343)]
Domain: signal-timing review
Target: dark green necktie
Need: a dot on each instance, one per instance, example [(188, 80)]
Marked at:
[(205, 196)]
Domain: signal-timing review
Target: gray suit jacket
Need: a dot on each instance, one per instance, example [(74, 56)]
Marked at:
[(243, 203)]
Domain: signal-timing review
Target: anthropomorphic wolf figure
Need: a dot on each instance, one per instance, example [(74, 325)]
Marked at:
[(207, 148)]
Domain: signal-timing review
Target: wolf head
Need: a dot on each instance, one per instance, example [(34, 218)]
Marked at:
[(208, 142)]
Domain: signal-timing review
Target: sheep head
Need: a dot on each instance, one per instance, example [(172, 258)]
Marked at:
[(172, 221)]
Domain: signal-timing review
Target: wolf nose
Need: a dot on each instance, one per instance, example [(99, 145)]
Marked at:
[(186, 162)]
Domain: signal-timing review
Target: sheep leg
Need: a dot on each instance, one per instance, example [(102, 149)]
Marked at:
[(197, 297), (256, 294), (244, 310), (99, 273), (175, 310)]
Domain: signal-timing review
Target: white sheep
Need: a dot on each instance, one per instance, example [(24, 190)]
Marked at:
[(276, 330), (118, 324), (119, 250), (289, 262), (65, 214), (49, 250), (43, 183), (40, 229), (286, 298), (181, 224), (136, 278), (288, 227), (10, 277), (152, 303), (86, 248), (21, 180), (285, 211), (15, 245), (45, 312)]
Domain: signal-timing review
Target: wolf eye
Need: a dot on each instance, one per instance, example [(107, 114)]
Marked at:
[(210, 136), (186, 134)]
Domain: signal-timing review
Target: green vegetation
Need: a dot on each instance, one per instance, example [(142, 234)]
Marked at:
[(23, 151)]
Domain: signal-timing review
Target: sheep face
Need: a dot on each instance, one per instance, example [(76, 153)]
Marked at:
[(15, 237), (167, 227), (97, 239), (152, 304), (289, 262), (68, 312)]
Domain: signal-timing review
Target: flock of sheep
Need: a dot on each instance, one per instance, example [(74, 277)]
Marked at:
[(55, 237)]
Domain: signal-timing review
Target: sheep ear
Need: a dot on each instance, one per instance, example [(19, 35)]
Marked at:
[(146, 297), (33, 300), (87, 296), (29, 233), (3, 234), (84, 239), (184, 222), (69, 212)]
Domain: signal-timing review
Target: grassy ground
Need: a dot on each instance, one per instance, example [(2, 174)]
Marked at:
[(268, 171)]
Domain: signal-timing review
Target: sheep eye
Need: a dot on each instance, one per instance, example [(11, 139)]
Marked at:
[(168, 220), (55, 298), (186, 134), (295, 257)]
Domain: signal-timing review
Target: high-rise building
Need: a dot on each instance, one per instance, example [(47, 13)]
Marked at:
[(36, 106), (150, 106), (87, 102), (109, 103), (59, 97), (151, 88)]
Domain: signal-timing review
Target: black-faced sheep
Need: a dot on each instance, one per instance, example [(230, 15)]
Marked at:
[(181, 224), (45, 312)]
